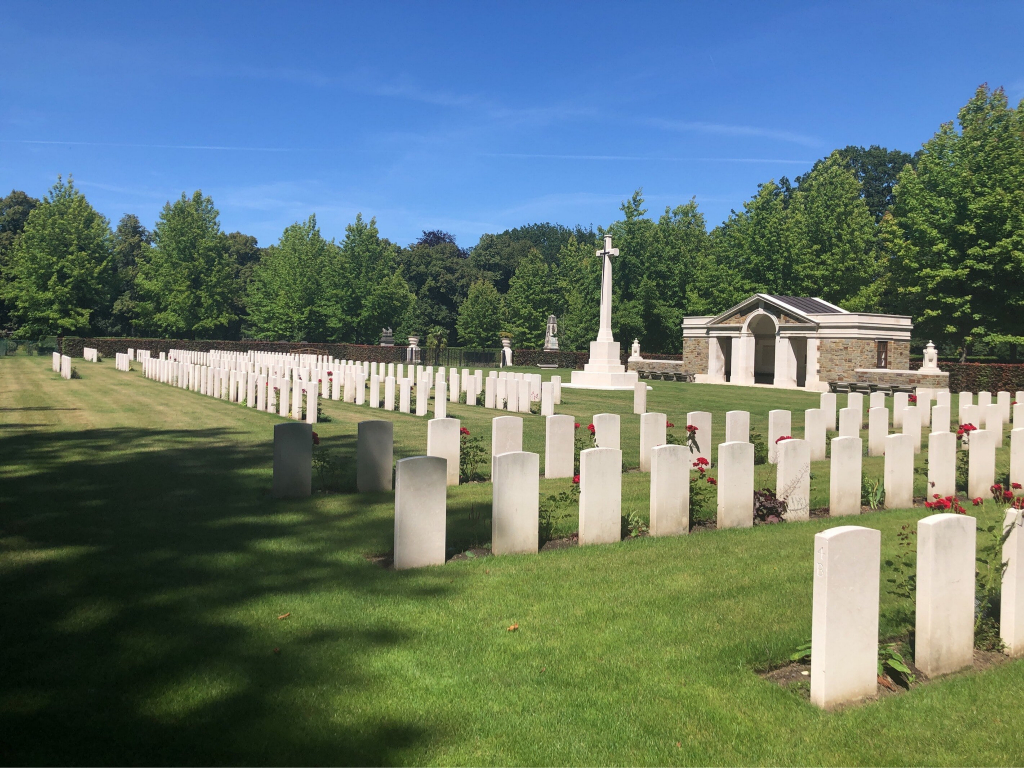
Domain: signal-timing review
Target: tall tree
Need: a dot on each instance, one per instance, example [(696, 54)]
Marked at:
[(497, 256), (439, 274), (956, 238), (131, 244), (59, 271), (579, 290), (14, 211), (187, 278), (381, 297), (529, 301), (877, 170), (480, 316), (244, 254), (387, 305)]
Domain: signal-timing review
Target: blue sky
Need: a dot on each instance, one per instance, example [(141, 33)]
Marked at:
[(472, 117)]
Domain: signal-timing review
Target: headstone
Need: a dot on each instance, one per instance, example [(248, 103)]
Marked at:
[(559, 446), (984, 399), (964, 399), (606, 431), (453, 395), (375, 456), (849, 422), (389, 393), (845, 476), (640, 397), (422, 396), (944, 626), (350, 384), (855, 400), (293, 460), (489, 390), (814, 433), (652, 434), (912, 425), (261, 393), (940, 418), (735, 484), (420, 511), (793, 484), (780, 424), (828, 405), (844, 624), (375, 390), (981, 463), (876, 400), (297, 388), (284, 397), (992, 415), (515, 511), (311, 401), (360, 383), (600, 496), (524, 396), (511, 395), (878, 430), (1018, 414), (440, 399), (1011, 599), (1017, 457), (900, 401), (556, 388), (405, 395), (705, 435), (472, 390), (444, 441), (250, 391), (899, 472), (737, 427), (941, 465), (670, 490), (506, 435)]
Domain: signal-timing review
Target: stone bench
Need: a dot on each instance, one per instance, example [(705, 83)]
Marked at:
[(661, 370)]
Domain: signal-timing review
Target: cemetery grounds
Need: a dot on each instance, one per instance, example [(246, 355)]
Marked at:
[(160, 607)]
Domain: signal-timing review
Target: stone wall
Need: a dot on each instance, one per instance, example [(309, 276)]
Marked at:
[(889, 378), (695, 355), (839, 359)]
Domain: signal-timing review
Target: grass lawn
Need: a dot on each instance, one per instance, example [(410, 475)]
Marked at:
[(143, 568)]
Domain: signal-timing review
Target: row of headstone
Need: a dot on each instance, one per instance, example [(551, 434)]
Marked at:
[(844, 634), (90, 355), (62, 365), (122, 361)]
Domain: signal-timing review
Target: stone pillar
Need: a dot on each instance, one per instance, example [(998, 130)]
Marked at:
[(912, 426), (405, 395), (600, 496), (849, 422), (845, 476), (844, 624), (899, 472), (1017, 457), (941, 465), (515, 510), (735, 484), (420, 511), (293, 460), (900, 402), (670, 490), (793, 483), (389, 393), (652, 434), (547, 399), (375, 456), (828, 405), (743, 359), (1011, 600), (737, 427), (640, 397), (705, 433), (814, 433), (559, 446), (444, 441), (440, 399), (606, 431), (780, 424), (944, 634), (716, 363), (981, 463), (506, 435), (785, 362), (940, 418), (878, 430)]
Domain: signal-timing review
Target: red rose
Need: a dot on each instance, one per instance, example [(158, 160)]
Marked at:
[(690, 428), (1015, 486), (712, 481), (577, 425), (976, 501), (702, 461), (316, 439), (1007, 495), (463, 431), (576, 479), (591, 428), (669, 425)]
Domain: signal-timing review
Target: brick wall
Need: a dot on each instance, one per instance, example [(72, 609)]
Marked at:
[(695, 355), (903, 378), (838, 359)]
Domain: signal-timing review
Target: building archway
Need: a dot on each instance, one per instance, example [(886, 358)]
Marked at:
[(763, 328)]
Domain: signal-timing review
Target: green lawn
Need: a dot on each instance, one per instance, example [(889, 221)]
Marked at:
[(143, 568)]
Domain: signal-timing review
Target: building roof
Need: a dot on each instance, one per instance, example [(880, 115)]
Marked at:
[(808, 305)]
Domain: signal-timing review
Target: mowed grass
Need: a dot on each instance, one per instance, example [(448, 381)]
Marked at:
[(143, 568)]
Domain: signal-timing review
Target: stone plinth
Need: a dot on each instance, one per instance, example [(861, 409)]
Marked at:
[(600, 496), (735, 484), (420, 511), (670, 490), (604, 371), (559, 446), (515, 506), (845, 476), (375, 456)]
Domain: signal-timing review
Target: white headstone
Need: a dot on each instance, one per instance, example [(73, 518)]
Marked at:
[(941, 465), (992, 415), (389, 392), (814, 433), (524, 396), (375, 456), (422, 396), (828, 405), (981, 463), (293, 460), (559, 446), (1017, 458), (600, 496), (506, 434), (849, 422), (444, 441), (705, 433), (440, 399), (940, 418), (490, 387), (453, 393), (735, 484), (375, 390), (911, 425), (878, 430), (793, 484), (899, 472), (515, 511), (845, 476), (780, 424), (640, 397), (876, 400), (547, 399), (670, 490), (420, 512), (1011, 599), (737, 427), (855, 400), (900, 401), (652, 434), (405, 395)]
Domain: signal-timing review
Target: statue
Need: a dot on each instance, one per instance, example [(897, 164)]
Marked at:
[(387, 339), (551, 335), (635, 352), (506, 351), (931, 358)]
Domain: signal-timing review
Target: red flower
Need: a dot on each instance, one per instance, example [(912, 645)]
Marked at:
[(576, 479), (912, 399), (976, 501), (577, 425), (712, 481), (330, 373), (591, 428), (463, 431), (996, 488), (319, 381), (690, 428), (669, 425), (702, 462), (1015, 486), (1007, 495), (316, 439), (780, 438)]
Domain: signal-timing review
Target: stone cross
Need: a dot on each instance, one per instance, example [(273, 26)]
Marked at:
[(605, 332)]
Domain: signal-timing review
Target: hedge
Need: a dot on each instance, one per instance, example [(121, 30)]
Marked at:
[(73, 345), (982, 377), (560, 359)]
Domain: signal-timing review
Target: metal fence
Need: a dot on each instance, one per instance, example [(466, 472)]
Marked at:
[(462, 357)]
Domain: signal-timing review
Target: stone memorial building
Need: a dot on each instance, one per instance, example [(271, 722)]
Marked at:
[(797, 342)]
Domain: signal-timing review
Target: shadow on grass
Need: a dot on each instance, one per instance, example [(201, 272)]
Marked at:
[(131, 562)]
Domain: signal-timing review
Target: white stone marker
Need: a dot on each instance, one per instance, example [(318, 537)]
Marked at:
[(297, 388), (515, 508), (283, 397), (705, 434), (500, 393), (652, 434), (899, 471), (389, 393), (984, 399), (900, 401), (1017, 457), (814, 433), (1018, 414), (261, 393), (780, 423), (453, 394), (489, 389), (444, 441), (405, 395), (472, 390), (878, 430), (250, 391), (845, 476), (547, 399), (556, 388), (737, 426), (876, 400), (422, 397), (600, 495), (735, 484), (420, 512), (606, 431), (940, 418), (944, 626), (844, 624), (1011, 599), (360, 384), (912, 426), (293, 460), (981, 464), (506, 435), (828, 405), (992, 415), (512, 395), (941, 465), (375, 390), (311, 402), (375, 456), (793, 483), (559, 446), (640, 397), (855, 400), (350, 384), (524, 396), (670, 490), (963, 400), (440, 399), (849, 422)]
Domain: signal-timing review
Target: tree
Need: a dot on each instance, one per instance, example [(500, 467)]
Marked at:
[(956, 238), (60, 266), (14, 211), (301, 289), (187, 278), (244, 254), (480, 316), (877, 169), (529, 301), (131, 244), (372, 261), (387, 306), (579, 287), (439, 274), (497, 256)]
